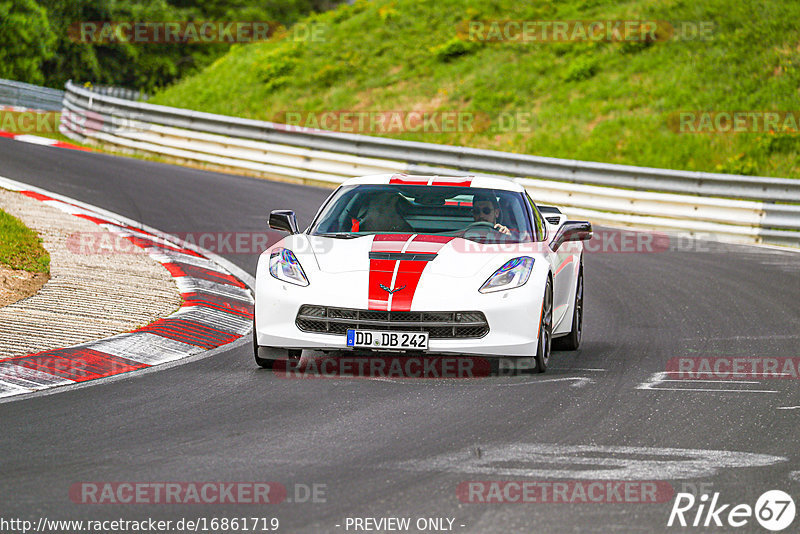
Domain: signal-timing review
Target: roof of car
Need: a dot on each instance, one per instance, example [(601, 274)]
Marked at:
[(483, 182)]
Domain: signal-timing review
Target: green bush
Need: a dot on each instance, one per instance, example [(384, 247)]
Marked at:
[(452, 49), (581, 69)]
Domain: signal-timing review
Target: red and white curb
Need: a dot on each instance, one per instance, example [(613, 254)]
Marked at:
[(35, 139), (217, 309), (45, 141)]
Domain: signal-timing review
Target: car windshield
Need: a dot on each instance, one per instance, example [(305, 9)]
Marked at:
[(485, 215)]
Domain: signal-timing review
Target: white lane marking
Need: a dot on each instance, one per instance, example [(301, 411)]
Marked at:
[(789, 408), (656, 379), (693, 380), (598, 462), (35, 139), (576, 369), (581, 381), (742, 338)]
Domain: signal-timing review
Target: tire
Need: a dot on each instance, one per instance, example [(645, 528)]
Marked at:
[(268, 363), (545, 330), (573, 340), (264, 363)]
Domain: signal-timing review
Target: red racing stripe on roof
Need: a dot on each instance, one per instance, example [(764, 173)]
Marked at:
[(401, 179)]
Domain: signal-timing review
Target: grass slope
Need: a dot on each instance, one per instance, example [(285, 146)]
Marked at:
[(21, 247), (597, 101)]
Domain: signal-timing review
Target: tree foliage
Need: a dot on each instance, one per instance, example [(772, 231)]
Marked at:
[(36, 44), (26, 40)]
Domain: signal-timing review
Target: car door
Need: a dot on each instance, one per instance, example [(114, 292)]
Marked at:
[(562, 263)]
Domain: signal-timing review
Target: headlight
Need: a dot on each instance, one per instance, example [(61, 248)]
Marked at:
[(284, 266), (513, 273)]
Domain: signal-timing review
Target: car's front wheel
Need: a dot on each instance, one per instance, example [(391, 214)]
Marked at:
[(268, 363), (264, 363)]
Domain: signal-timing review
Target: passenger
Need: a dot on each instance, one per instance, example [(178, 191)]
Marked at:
[(385, 214)]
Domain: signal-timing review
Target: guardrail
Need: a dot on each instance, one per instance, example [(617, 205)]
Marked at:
[(120, 92), (729, 207), (29, 96)]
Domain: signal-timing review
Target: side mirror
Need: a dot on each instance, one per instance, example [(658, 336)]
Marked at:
[(571, 231), (284, 220)]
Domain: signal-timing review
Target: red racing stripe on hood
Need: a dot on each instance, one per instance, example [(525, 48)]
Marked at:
[(400, 275), (381, 271)]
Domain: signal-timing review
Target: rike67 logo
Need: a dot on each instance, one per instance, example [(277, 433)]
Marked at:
[(774, 510)]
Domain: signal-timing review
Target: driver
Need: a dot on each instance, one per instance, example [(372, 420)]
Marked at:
[(486, 209)]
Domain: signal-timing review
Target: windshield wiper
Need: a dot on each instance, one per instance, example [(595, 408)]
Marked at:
[(339, 235)]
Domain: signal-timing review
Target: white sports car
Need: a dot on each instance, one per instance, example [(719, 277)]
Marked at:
[(423, 265)]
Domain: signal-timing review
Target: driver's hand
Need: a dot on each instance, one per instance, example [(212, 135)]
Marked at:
[(502, 229)]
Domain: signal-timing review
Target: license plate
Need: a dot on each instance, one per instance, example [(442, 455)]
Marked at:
[(378, 339)]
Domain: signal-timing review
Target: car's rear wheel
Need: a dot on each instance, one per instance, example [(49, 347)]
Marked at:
[(573, 340), (545, 330)]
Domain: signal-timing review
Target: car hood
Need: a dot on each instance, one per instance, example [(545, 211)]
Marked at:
[(451, 256)]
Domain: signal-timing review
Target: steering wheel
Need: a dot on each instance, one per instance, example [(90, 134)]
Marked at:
[(480, 228)]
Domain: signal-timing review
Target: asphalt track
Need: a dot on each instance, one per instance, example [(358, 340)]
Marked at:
[(401, 448)]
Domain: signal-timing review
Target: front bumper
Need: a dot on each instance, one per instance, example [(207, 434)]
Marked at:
[(513, 315)]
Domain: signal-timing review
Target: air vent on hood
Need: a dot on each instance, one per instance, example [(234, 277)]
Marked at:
[(405, 256), (554, 219)]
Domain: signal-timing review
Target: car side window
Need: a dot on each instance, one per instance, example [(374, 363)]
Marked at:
[(538, 220)]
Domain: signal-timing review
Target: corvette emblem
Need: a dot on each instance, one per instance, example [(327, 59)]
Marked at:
[(390, 291)]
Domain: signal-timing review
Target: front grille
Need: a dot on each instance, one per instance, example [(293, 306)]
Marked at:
[(439, 325)]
